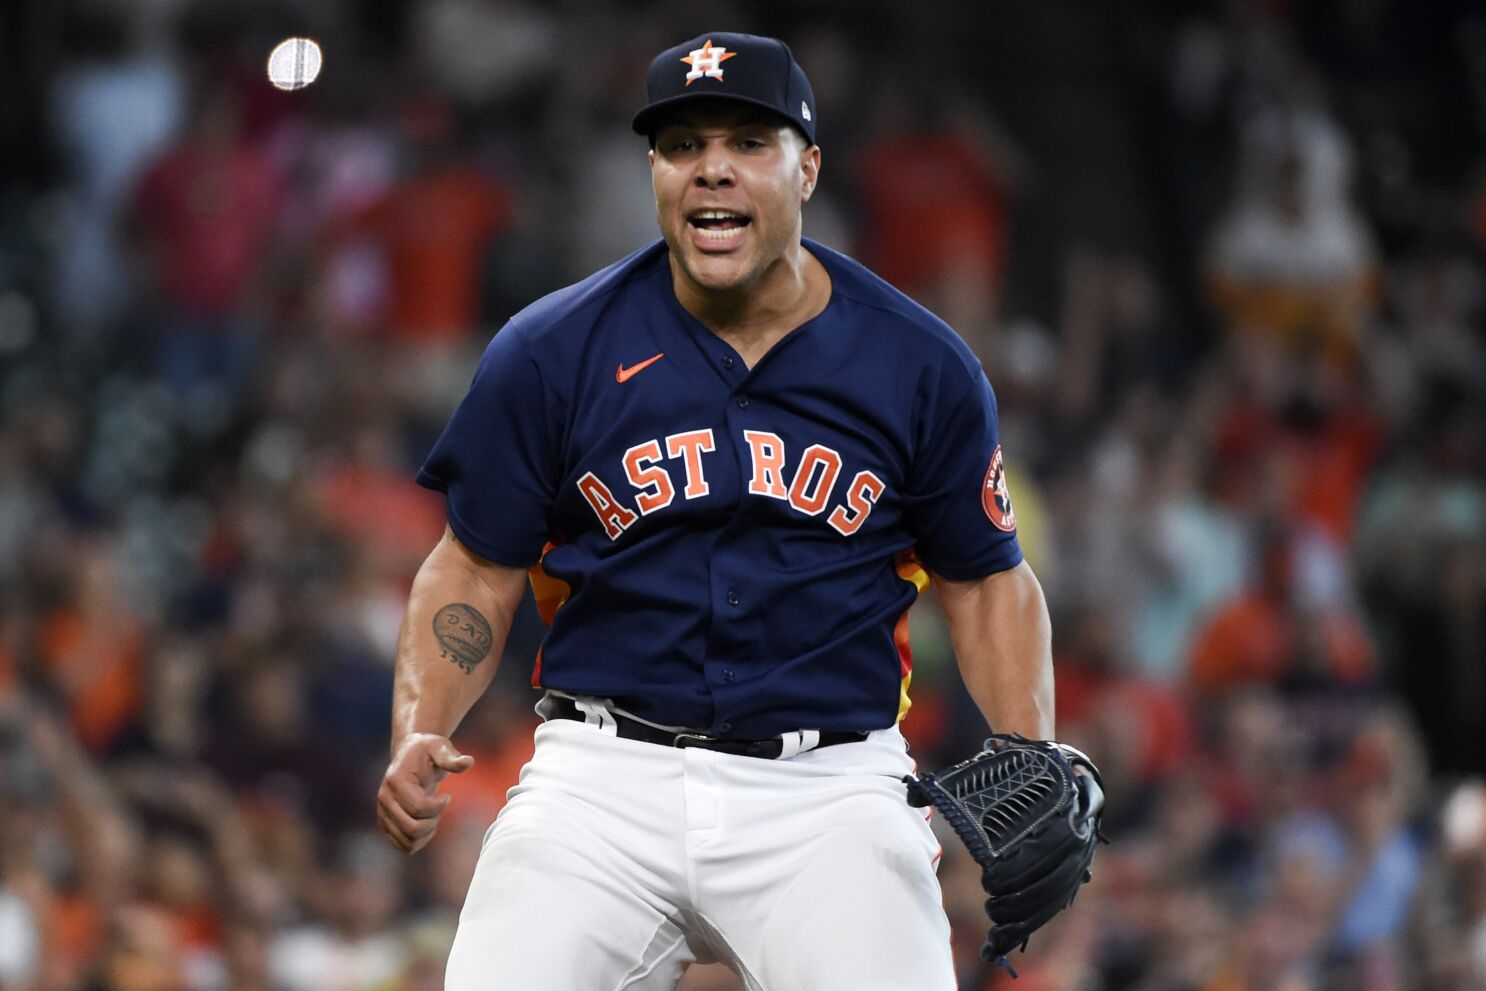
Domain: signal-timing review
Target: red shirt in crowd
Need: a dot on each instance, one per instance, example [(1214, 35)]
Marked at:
[(207, 213)]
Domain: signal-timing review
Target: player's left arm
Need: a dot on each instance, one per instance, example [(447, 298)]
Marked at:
[(1002, 638), (1028, 810)]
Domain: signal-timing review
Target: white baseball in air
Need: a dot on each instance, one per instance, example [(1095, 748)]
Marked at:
[(294, 63)]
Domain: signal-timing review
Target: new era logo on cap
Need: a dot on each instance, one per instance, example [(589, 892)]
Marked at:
[(706, 61), (759, 71)]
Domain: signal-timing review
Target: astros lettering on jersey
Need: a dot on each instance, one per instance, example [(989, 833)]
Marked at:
[(813, 480), (716, 546)]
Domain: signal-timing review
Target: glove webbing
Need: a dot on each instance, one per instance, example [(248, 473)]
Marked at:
[(992, 793)]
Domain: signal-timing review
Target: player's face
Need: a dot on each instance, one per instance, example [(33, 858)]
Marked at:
[(729, 184)]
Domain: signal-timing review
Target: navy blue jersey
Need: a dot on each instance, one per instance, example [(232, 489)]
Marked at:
[(719, 547)]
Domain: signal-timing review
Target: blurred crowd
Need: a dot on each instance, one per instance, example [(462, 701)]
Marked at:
[(1222, 262)]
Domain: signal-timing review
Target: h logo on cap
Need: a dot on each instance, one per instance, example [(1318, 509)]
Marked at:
[(706, 61)]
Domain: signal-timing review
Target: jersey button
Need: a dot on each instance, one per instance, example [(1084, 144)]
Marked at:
[(742, 402), (727, 361), (727, 675), (724, 727), (732, 598)]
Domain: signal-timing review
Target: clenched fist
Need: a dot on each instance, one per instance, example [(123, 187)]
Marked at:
[(408, 803)]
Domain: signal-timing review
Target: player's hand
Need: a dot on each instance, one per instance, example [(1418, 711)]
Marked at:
[(408, 803)]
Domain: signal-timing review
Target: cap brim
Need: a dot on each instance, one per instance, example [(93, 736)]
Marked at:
[(648, 120)]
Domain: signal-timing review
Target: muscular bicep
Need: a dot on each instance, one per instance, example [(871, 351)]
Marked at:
[(1002, 638), (965, 602), (503, 581)]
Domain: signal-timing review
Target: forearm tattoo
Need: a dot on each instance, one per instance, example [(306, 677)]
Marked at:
[(464, 635)]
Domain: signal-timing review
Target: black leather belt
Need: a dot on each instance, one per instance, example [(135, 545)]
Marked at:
[(558, 707)]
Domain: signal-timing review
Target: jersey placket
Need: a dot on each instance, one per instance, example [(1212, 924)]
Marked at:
[(736, 630), (736, 627)]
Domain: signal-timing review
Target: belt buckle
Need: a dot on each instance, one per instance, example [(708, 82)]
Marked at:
[(684, 740)]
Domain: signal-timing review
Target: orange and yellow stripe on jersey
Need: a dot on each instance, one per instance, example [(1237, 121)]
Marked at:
[(550, 594), (909, 570)]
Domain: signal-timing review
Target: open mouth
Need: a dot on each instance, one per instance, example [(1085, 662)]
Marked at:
[(718, 225)]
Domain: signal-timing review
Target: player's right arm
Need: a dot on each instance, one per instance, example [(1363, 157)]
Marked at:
[(453, 632)]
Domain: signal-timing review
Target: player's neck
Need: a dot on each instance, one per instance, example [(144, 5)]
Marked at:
[(753, 318)]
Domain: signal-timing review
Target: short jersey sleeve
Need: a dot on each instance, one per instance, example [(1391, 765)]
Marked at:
[(957, 505), (497, 458)]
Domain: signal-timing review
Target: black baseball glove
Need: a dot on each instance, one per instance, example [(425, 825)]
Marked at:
[(1031, 823)]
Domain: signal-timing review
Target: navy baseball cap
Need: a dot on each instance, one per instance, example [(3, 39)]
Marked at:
[(724, 65)]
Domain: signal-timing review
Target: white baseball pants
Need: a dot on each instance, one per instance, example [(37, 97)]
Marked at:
[(617, 863)]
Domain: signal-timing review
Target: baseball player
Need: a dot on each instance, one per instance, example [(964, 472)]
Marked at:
[(728, 465)]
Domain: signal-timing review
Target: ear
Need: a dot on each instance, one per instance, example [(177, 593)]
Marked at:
[(810, 170), (650, 157)]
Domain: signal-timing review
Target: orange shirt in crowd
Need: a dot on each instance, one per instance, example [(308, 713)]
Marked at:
[(1326, 469), (73, 932), (480, 792), (1254, 639), (933, 205), (434, 230), (1334, 468), (99, 667), (381, 508)]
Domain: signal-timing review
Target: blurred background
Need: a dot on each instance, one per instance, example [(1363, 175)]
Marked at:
[(1222, 262)]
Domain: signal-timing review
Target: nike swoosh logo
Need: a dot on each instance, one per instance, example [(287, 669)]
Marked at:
[(625, 374)]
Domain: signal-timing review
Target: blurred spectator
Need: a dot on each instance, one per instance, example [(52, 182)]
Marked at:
[(1196, 552), (1450, 924), (204, 218), (36, 447), (607, 194), (266, 748), (114, 106), (1141, 726), (20, 942), (366, 498), (67, 842), (91, 646), (351, 946), (483, 51), (1115, 337), (434, 227), (340, 165), (1191, 939), (170, 724), (1420, 547), (1377, 790), (1431, 350), (1266, 634), (433, 230), (934, 182), (1444, 664), (1292, 257)]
